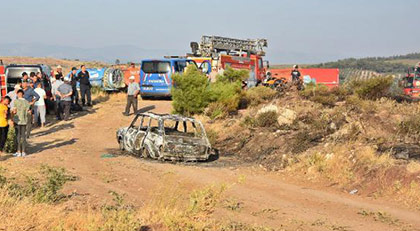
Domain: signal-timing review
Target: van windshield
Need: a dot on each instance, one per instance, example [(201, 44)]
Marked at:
[(156, 67), (16, 72)]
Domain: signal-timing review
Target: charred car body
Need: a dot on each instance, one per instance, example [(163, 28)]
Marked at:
[(165, 137)]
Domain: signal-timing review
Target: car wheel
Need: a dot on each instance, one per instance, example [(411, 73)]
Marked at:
[(145, 153), (121, 143)]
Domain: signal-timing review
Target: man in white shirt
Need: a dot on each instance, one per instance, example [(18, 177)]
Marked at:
[(13, 95), (133, 91), (40, 109)]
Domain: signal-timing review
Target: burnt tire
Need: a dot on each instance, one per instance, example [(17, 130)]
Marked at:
[(145, 153), (121, 144)]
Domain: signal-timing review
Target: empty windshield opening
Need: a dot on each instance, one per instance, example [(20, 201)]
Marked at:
[(16, 72), (156, 67), (182, 128)]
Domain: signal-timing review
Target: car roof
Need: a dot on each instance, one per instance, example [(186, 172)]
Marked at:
[(164, 59), (168, 116), (24, 65)]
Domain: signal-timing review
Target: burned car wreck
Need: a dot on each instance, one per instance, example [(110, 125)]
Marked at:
[(165, 137)]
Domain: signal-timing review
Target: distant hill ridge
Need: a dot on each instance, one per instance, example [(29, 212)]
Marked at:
[(393, 64)]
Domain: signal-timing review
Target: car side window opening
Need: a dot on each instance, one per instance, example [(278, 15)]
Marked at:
[(145, 123), (182, 128), (154, 126)]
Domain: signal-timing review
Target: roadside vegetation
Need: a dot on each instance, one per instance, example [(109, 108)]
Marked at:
[(356, 136), (38, 204)]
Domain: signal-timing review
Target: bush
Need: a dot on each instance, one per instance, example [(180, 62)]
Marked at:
[(11, 146), (320, 93), (267, 119), (190, 93), (232, 75), (216, 110), (372, 88), (410, 127), (259, 95), (226, 93)]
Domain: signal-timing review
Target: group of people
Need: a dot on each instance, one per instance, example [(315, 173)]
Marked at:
[(27, 104)]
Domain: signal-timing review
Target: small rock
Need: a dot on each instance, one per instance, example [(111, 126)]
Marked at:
[(354, 191)]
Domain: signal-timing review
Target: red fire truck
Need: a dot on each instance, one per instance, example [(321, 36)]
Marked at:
[(411, 84), (221, 52), (2, 81)]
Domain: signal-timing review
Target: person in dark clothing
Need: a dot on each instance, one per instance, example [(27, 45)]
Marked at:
[(295, 73), (418, 69), (83, 78), (73, 82), (25, 77)]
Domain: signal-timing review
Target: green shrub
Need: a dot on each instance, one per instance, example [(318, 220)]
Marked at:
[(249, 122), (232, 75), (259, 95), (11, 146), (216, 110), (320, 93), (190, 93), (372, 88), (267, 119), (226, 93), (410, 126)]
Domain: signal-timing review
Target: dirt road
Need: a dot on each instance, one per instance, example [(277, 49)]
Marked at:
[(268, 199)]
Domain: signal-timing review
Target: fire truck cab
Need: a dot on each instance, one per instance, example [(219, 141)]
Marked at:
[(411, 84)]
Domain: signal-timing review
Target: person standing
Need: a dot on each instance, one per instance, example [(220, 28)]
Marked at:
[(59, 73), (25, 77), (73, 81), (132, 93), (4, 125), (40, 109), (65, 92), (295, 73), (31, 96), (56, 83), (83, 78), (21, 110), (13, 95)]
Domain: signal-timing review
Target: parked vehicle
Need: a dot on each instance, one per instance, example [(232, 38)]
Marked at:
[(13, 75), (165, 137), (326, 76), (156, 75), (221, 52), (109, 79), (411, 85)]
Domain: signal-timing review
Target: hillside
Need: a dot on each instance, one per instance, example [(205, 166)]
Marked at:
[(381, 65), (52, 62)]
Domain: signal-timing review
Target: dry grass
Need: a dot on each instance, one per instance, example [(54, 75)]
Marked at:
[(172, 207)]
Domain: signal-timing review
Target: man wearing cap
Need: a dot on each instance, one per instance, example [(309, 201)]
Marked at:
[(65, 92), (13, 95), (59, 73), (73, 81), (132, 93)]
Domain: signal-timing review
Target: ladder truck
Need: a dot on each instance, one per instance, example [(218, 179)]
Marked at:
[(220, 52)]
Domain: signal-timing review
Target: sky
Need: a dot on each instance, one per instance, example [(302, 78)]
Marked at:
[(298, 31)]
